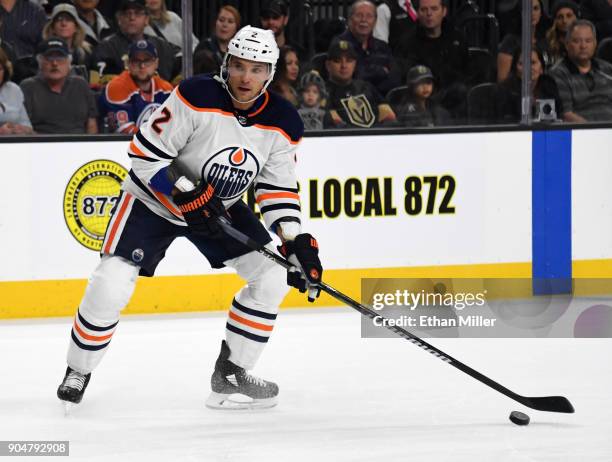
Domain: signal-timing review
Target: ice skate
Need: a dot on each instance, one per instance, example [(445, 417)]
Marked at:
[(234, 388), (72, 388)]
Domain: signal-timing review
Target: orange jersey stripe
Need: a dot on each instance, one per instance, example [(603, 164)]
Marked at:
[(167, 204), (278, 195), (265, 103), (136, 150), (93, 338), (246, 322), (201, 109), (124, 206), (278, 130)]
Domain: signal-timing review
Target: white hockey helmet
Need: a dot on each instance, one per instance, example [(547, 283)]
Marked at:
[(254, 44)]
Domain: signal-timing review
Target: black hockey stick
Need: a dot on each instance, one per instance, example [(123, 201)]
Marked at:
[(543, 403)]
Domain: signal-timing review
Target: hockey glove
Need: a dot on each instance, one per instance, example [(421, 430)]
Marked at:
[(201, 210), (305, 274)]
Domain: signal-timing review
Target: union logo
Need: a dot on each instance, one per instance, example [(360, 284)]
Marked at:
[(90, 199), (231, 171)]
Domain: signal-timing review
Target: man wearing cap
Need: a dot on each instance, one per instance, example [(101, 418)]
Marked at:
[(375, 63), (22, 25), (274, 16), (110, 57), (56, 101), (95, 25), (352, 103), (130, 98)]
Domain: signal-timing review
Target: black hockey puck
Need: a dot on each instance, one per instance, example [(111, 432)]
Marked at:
[(519, 418)]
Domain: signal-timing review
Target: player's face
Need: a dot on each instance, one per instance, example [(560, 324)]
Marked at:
[(132, 21), (341, 69), (311, 96), (292, 66), (363, 19), (55, 66), (275, 23), (581, 44), (225, 27), (431, 13), (142, 66), (423, 90), (246, 78), (64, 26), (564, 17)]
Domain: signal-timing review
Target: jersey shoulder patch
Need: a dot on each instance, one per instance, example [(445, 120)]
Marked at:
[(120, 89), (280, 113), (203, 92)]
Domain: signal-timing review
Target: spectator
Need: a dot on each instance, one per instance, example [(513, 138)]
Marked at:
[(418, 109), (599, 12), (64, 24), (375, 63), (94, 24), (165, 24), (512, 42), (13, 116), (584, 82), (274, 16), (56, 101), (22, 24), (130, 98), (286, 76), (212, 49), (313, 96), (564, 13), (110, 57), (509, 98), (438, 46), (352, 103), (394, 19), (8, 49)]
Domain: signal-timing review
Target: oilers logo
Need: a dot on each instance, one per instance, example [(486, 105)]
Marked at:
[(230, 171)]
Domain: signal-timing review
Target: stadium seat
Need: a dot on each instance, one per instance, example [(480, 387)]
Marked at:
[(481, 104), (604, 50)]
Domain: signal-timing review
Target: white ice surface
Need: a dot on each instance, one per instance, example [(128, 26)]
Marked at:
[(342, 398)]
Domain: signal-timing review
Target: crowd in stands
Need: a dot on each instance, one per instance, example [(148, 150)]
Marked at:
[(82, 67)]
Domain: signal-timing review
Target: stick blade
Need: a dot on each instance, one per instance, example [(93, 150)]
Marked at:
[(550, 404)]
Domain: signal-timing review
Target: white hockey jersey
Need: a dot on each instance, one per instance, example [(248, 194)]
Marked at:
[(199, 130)]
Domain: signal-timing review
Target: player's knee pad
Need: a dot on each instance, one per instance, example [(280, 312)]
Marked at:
[(109, 290), (266, 287)]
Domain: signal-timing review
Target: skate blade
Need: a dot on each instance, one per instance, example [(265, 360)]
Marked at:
[(237, 401), (68, 407)]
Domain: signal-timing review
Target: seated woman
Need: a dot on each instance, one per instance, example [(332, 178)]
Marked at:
[(564, 13), (64, 24), (417, 108), (286, 76), (512, 42), (213, 48), (166, 24), (508, 101), (13, 116)]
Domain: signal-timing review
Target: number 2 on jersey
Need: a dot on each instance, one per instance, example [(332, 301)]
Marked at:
[(165, 117)]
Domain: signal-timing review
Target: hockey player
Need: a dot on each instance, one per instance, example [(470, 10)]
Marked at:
[(222, 134), (130, 98)]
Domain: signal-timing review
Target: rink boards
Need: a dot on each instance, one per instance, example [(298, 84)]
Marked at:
[(507, 204)]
